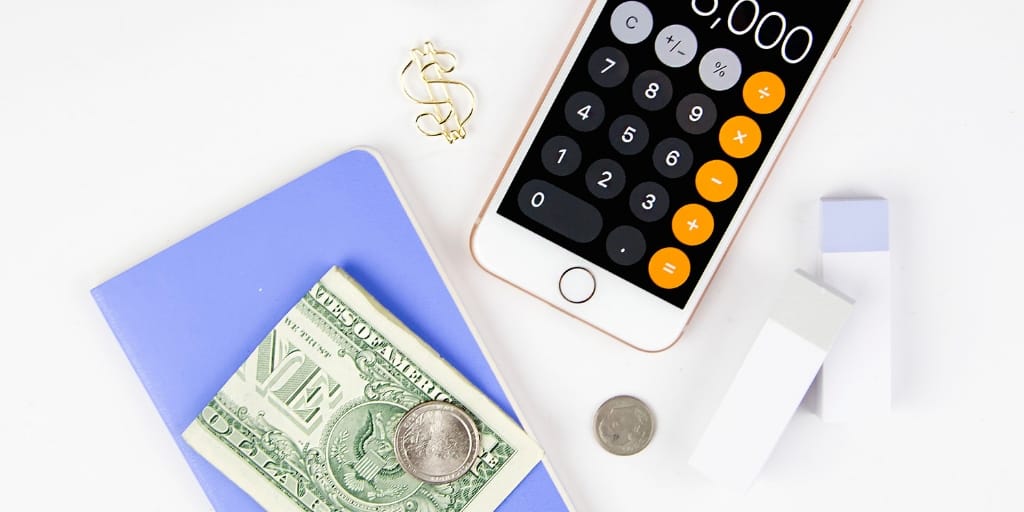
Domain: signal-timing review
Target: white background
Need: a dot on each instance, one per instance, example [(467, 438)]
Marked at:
[(126, 126)]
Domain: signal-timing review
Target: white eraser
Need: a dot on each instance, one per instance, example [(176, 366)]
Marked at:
[(855, 382), (772, 381)]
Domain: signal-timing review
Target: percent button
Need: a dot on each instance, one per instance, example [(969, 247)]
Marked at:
[(720, 69)]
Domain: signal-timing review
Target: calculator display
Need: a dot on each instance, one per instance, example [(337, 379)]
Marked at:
[(660, 129)]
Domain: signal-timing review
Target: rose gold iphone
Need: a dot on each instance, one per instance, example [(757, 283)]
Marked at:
[(641, 161)]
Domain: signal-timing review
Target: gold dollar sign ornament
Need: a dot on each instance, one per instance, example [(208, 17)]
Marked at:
[(450, 103)]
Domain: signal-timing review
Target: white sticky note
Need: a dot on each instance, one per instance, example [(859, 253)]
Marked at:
[(771, 382), (855, 382)]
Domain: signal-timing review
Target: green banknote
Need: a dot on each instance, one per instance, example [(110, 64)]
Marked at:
[(307, 422)]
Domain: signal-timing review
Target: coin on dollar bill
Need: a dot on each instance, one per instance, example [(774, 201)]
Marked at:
[(624, 425), (436, 442)]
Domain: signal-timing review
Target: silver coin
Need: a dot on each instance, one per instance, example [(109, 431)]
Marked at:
[(624, 426), (436, 442)]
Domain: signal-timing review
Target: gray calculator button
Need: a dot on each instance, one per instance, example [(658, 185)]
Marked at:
[(720, 69), (673, 158), (652, 90), (626, 245), (560, 211), (629, 135), (584, 111), (649, 202), (608, 67), (697, 114), (561, 156), (676, 46), (606, 179), (632, 22)]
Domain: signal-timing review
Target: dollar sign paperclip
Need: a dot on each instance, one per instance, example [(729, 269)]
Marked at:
[(444, 117)]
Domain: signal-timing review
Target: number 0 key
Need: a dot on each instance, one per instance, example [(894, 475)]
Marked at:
[(560, 211)]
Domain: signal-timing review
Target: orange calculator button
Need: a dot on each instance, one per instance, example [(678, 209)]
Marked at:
[(764, 93), (717, 181), (740, 137), (669, 268), (693, 225)]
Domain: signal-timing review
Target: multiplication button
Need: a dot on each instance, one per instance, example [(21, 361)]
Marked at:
[(720, 69), (632, 22), (608, 67), (584, 111), (740, 137), (676, 46)]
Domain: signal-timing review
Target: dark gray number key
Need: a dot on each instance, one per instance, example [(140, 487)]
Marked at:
[(560, 211)]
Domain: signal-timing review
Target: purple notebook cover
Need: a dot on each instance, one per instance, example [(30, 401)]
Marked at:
[(188, 317)]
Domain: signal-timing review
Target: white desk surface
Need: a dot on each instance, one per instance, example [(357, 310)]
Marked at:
[(125, 126)]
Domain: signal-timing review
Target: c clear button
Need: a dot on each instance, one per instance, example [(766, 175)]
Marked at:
[(632, 22)]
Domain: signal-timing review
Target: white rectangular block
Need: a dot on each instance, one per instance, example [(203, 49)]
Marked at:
[(855, 382), (771, 382)]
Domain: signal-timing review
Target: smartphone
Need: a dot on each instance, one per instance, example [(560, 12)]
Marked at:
[(645, 154)]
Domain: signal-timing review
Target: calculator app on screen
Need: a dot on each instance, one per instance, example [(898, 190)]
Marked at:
[(661, 128)]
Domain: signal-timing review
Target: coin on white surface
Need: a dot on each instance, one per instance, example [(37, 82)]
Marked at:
[(624, 425)]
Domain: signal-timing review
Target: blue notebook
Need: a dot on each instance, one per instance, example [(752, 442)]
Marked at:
[(188, 317)]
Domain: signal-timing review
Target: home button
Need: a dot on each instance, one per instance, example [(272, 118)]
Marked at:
[(577, 285)]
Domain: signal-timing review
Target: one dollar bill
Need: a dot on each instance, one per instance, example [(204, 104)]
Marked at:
[(307, 423)]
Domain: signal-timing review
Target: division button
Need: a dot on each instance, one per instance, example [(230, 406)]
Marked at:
[(649, 202), (632, 22), (584, 111), (740, 137), (717, 181), (720, 69), (626, 246), (673, 158), (608, 67), (697, 114), (606, 179), (560, 211), (561, 156), (693, 225), (629, 135), (676, 46), (652, 90), (577, 285), (669, 268), (764, 93)]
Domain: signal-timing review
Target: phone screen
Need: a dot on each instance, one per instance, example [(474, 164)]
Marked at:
[(659, 131)]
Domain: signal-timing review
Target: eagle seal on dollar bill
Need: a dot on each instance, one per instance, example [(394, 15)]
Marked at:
[(342, 408)]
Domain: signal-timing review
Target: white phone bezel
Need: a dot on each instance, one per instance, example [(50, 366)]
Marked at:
[(619, 308)]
